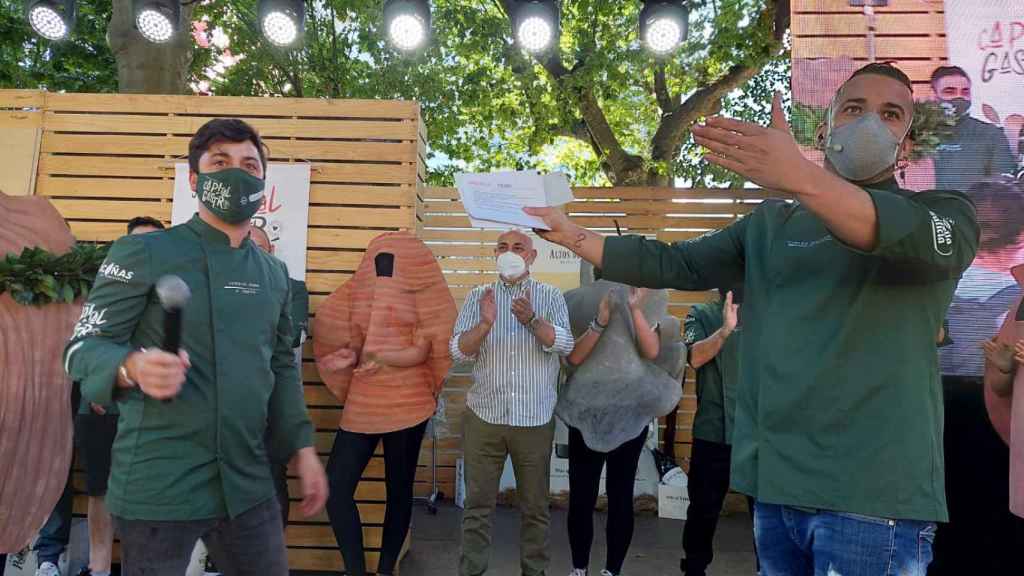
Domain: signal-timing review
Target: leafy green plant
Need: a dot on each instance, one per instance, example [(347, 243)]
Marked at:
[(932, 126), (37, 277)]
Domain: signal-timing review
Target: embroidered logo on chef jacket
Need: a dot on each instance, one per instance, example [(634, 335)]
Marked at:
[(942, 234), (112, 271), (808, 243), (244, 288), (90, 321)]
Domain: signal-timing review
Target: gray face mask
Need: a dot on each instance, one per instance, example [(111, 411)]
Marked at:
[(863, 148)]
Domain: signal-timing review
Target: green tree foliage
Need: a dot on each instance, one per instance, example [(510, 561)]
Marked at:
[(601, 106), (81, 63)]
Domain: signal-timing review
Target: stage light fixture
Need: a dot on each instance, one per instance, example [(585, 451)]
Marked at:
[(283, 21), (407, 23), (51, 19), (664, 25), (535, 24), (157, 20)]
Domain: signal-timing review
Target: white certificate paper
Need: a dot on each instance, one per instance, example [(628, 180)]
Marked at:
[(497, 199)]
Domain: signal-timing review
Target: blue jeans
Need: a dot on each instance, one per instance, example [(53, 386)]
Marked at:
[(792, 542)]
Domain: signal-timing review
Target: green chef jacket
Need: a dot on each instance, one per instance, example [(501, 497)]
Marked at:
[(839, 404), (201, 455), (716, 379)]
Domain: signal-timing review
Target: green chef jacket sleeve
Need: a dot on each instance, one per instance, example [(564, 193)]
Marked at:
[(289, 424), (693, 328), (101, 338), (934, 234), (712, 260)]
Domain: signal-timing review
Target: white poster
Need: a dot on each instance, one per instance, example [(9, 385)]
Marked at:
[(284, 214), (986, 39)]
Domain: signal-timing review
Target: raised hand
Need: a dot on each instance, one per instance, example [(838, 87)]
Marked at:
[(522, 308), (637, 297), (730, 314), (768, 156), (488, 308)]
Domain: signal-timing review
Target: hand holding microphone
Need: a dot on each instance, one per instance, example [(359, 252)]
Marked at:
[(161, 373)]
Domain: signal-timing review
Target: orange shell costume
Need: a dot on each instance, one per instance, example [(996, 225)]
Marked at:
[(35, 410), (370, 312)]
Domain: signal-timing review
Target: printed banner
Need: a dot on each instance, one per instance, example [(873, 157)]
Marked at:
[(284, 214)]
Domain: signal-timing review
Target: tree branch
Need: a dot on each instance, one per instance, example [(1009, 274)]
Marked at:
[(665, 101), (667, 141)]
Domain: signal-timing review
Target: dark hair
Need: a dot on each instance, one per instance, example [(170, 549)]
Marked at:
[(144, 221), (887, 69), (944, 71), (223, 130), (1005, 196)]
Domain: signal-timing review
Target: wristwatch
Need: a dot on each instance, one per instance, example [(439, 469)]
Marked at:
[(123, 370), (533, 321)]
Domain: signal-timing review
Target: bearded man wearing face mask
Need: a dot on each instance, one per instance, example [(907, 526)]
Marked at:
[(513, 331), (838, 426), (977, 150), (189, 460)]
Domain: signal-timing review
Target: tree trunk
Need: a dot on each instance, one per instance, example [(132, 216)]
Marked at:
[(144, 67)]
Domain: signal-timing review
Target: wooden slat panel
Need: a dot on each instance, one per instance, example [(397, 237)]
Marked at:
[(112, 209), (20, 119), (323, 536), (333, 260), (650, 207), (362, 217), (886, 47), (800, 6), (267, 127), (232, 106), (17, 99), (635, 193), (178, 146), (322, 172), (857, 24), (319, 559), (631, 222), (105, 187)]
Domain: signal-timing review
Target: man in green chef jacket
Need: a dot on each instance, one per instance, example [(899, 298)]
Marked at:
[(189, 460), (838, 426)]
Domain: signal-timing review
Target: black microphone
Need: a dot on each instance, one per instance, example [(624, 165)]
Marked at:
[(174, 296)]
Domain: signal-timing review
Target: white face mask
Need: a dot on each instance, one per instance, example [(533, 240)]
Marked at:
[(511, 266)]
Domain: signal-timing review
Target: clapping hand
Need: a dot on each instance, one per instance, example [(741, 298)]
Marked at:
[(522, 308), (340, 359), (637, 296), (488, 308), (999, 354)]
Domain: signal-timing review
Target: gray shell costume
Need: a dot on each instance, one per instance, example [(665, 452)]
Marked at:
[(615, 393)]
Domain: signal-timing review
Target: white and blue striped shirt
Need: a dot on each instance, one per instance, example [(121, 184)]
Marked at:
[(515, 378)]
